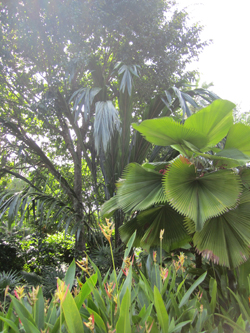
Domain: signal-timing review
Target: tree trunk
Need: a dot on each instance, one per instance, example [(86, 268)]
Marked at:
[(78, 207), (198, 260)]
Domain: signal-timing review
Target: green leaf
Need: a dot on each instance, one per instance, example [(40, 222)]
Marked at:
[(166, 132), (10, 323), (185, 298), (25, 317), (141, 188), (39, 314), (225, 239), (72, 315), (98, 319), (85, 290), (109, 207), (105, 123), (123, 324), (214, 121), (200, 196), (238, 137), (70, 275), (161, 311), (213, 293)]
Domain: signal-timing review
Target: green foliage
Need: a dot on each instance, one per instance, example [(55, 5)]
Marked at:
[(74, 75), (165, 305), (209, 197)]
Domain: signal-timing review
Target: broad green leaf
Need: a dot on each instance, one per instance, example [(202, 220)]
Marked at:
[(213, 293), (200, 196), (166, 132), (85, 290), (10, 323), (225, 239), (109, 207), (214, 121), (123, 324), (238, 138), (161, 311), (39, 314), (141, 188), (24, 315), (72, 315), (70, 275), (185, 298), (127, 284)]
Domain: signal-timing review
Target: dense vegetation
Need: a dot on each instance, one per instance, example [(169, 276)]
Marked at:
[(97, 110)]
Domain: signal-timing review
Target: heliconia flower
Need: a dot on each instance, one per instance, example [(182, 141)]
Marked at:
[(83, 264), (19, 292), (109, 289), (6, 291), (148, 329), (164, 273), (61, 293), (107, 230), (110, 329), (91, 323)]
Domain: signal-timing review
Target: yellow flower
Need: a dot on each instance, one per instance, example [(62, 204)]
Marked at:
[(155, 256), (164, 273), (19, 292), (107, 229), (109, 288), (33, 295), (84, 265), (161, 234), (61, 292)]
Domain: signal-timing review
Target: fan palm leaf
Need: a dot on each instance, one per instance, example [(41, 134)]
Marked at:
[(141, 188), (166, 132), (239, 137), (149, 224), (227, 237), (199, 196), (214, 121)]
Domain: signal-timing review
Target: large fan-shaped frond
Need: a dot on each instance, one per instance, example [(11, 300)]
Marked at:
[(239, 137), (149, 224), (109, 207), (141, 188), (200, 197), (166, 132), (214, 121), (227, 237)]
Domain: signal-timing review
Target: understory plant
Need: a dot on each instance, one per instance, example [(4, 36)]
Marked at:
[(125, 300)]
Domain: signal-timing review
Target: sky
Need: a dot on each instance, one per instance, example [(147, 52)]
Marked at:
[(226, 62)]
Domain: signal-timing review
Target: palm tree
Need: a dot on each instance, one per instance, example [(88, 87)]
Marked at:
[(202, 195)]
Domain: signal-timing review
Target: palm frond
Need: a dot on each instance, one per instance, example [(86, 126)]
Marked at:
[(109, 207), (227, 237), (214, 121), (149, 224), (166, 132), (238, 137), (141, 188), (199, 196), (106, 121)]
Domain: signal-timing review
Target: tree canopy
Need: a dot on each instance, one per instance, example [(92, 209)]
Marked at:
[(74, 75)]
